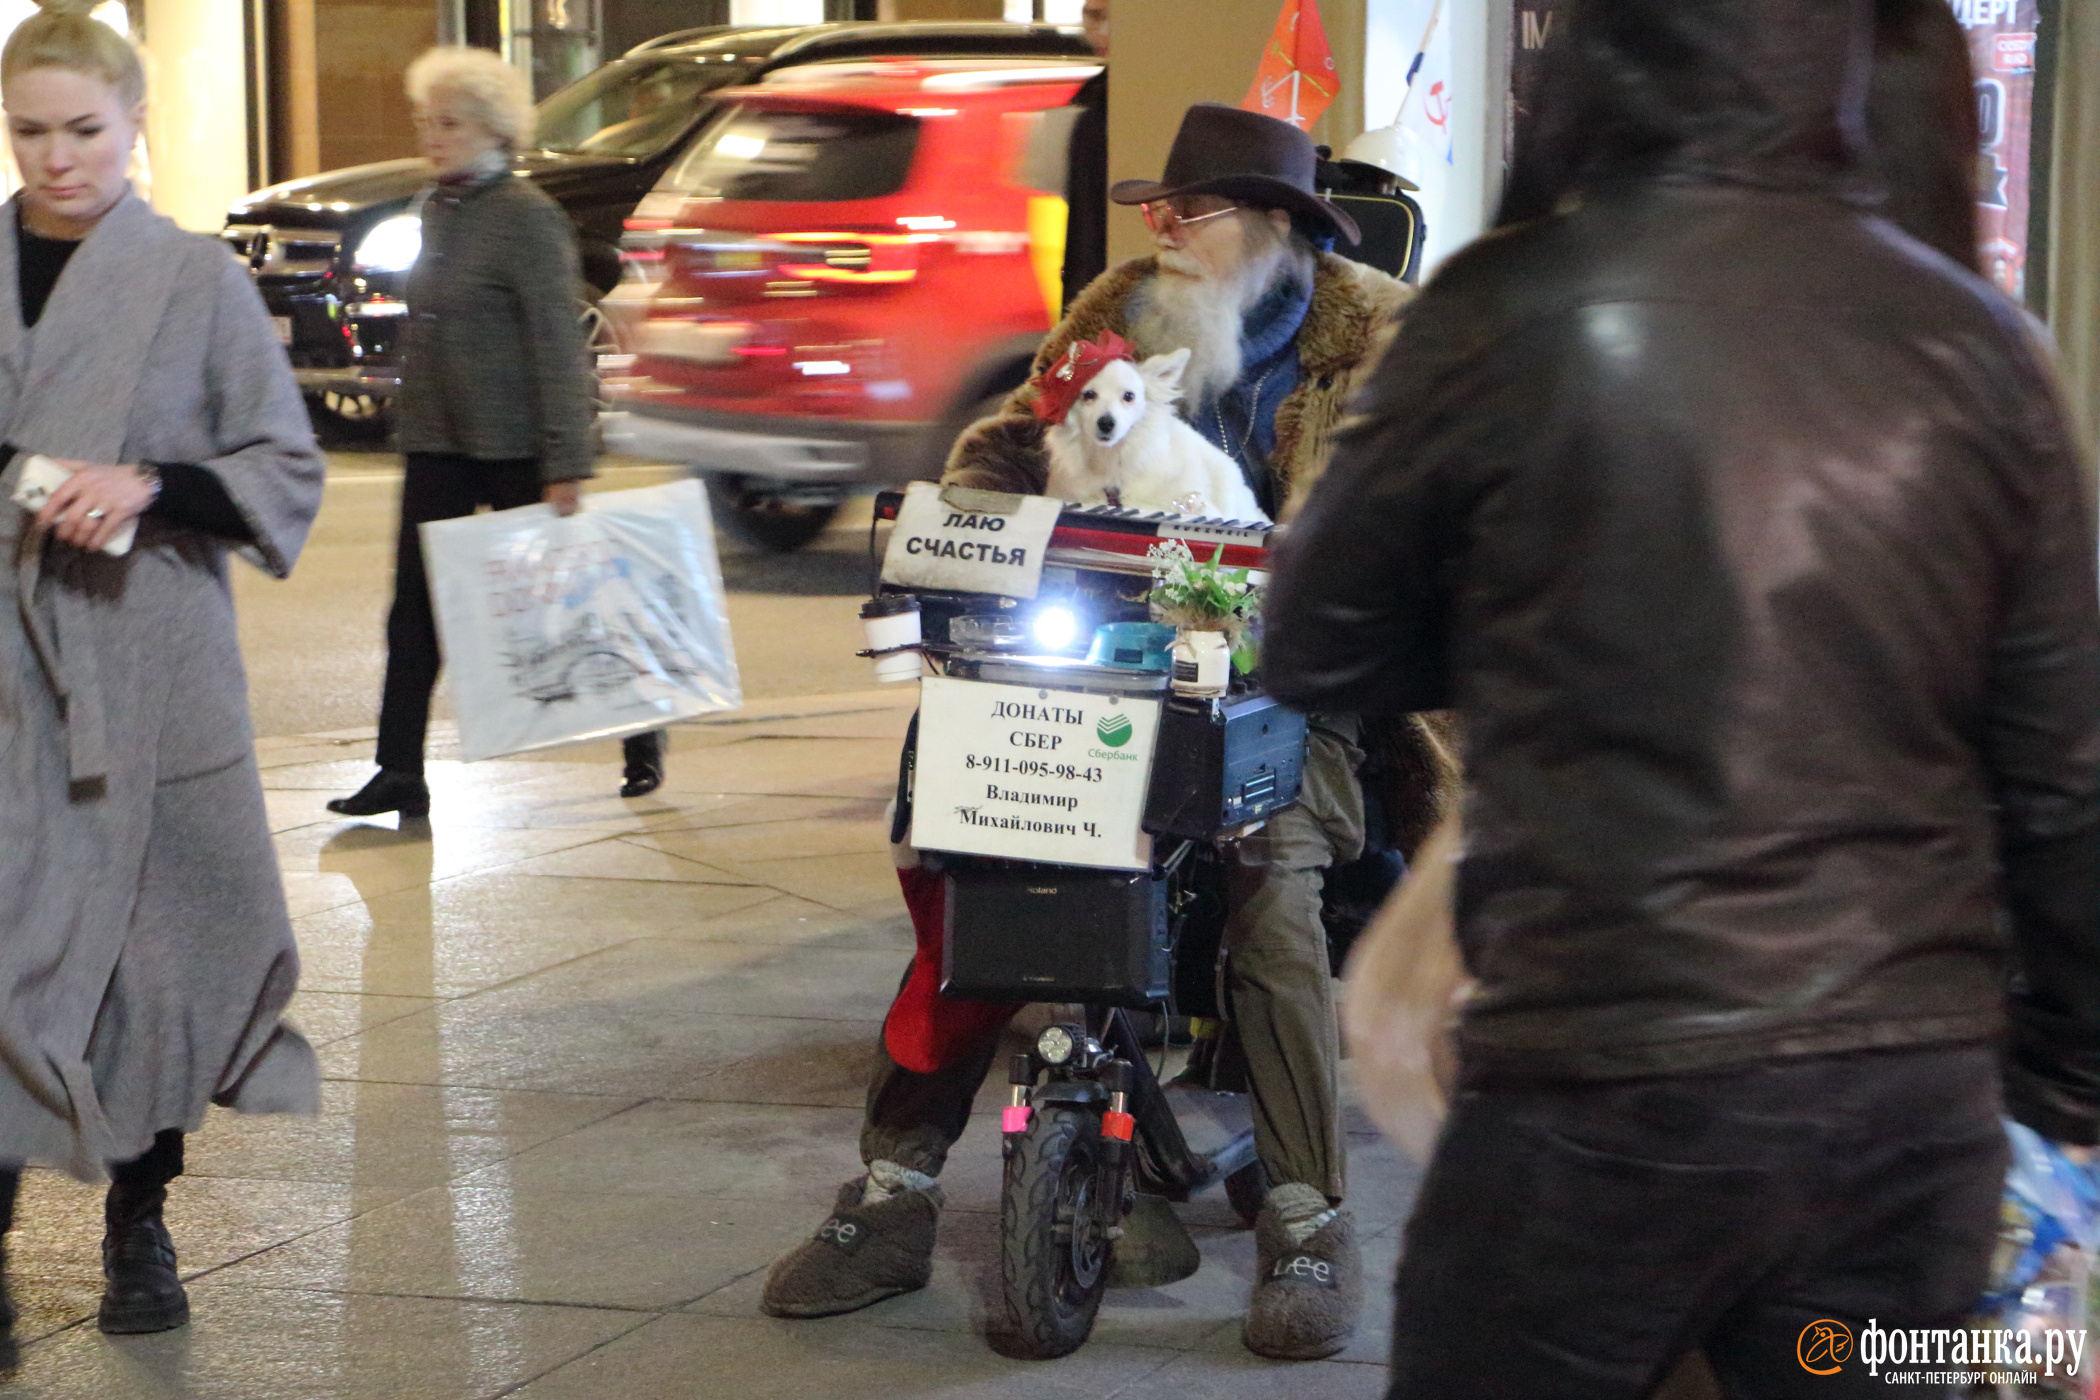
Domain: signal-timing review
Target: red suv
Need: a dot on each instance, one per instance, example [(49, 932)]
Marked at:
[(846, 268)]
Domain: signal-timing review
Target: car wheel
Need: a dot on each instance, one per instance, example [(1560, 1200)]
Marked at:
[(599, 342), (776, 516), (359, 420)]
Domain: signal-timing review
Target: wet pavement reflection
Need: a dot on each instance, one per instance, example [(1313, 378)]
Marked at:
[(591, 1065)]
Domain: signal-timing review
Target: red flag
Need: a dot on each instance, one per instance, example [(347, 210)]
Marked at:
[(1297, 77)]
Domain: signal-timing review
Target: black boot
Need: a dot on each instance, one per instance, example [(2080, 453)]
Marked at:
[(142, 1291), (645, 763), (389, 791)]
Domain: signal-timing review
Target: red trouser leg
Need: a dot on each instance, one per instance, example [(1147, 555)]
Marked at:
[(926, 1033)]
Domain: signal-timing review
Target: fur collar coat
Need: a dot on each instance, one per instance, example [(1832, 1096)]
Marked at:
[(1353, 317)]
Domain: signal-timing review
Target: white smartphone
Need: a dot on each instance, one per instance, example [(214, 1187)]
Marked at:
[(40, 477)]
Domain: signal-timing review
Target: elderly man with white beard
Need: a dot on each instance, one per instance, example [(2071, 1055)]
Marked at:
[(1280, 331)]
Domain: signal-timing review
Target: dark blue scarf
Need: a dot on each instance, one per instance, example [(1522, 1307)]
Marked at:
[(1242, 420)]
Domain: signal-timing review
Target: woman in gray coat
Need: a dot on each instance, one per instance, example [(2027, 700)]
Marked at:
[(495, 405), (145, 952)]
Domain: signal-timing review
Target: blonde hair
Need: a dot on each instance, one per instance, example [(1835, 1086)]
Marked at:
[(488, 89), (65, 34)]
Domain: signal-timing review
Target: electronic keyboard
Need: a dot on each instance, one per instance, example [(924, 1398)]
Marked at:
[(1114, 538)]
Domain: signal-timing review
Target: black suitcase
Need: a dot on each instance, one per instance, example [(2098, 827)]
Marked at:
[(1393, 231), (1020, 932), (1221, 764)]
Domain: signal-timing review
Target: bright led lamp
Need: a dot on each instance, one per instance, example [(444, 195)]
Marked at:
[(1053, 628), (1055, 1045)]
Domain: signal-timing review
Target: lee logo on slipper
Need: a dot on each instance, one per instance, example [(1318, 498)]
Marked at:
[(1306, 1268), (845, 1235)]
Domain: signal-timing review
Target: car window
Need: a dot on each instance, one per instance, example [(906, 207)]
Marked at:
[(630, 109), (767, 154)]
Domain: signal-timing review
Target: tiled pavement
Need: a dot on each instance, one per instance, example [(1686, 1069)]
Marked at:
[(592, 1065)]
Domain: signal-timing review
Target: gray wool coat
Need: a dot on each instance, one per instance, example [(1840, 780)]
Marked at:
[(493, 357), (146, 956)]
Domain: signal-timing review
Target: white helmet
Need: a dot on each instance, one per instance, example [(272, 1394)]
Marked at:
[(1396, 150)]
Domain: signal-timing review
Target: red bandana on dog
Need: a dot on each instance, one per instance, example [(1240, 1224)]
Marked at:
[(1057, 388)]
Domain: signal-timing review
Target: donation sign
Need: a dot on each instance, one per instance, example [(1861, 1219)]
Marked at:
[(1029, 774), (959, 540)]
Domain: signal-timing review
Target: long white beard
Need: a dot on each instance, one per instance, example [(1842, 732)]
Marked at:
[(1185, 306)]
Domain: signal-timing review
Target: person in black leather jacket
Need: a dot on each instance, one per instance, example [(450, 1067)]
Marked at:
[(1748, 537)]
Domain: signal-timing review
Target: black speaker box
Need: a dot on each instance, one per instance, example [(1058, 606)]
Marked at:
[(1221, 764), (1055, 933)]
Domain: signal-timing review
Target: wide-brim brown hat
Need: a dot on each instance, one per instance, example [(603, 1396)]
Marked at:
[(1240, 155)]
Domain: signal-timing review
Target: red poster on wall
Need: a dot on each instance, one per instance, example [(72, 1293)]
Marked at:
[(2003, 37)]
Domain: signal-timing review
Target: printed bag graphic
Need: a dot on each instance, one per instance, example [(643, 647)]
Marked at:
[(601, 624)]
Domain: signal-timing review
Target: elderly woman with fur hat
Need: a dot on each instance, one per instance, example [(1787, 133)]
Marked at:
[(1280, 331), (495, 405)]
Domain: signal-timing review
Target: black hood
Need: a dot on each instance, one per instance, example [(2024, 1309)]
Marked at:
[(1922, 119), (1762, 92)]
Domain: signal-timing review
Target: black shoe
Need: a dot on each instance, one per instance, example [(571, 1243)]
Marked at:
[(143, 1293), (645, 763), (389, 791)]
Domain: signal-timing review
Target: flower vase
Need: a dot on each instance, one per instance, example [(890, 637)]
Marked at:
[(1202, 663)]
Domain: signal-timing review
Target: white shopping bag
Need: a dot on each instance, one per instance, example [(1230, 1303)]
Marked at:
[(591, 626)]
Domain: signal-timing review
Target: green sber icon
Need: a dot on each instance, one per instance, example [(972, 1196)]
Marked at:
[(1114, 730)]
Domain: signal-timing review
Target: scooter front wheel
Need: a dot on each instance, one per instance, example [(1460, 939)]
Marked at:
[(1055, 1217)]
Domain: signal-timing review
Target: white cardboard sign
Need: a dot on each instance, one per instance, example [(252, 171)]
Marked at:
[(1050, 775), (960, 540)]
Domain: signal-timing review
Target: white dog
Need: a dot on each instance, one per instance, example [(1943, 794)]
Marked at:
[(1121, 442)]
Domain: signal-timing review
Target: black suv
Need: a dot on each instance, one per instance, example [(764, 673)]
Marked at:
[(331, 252)]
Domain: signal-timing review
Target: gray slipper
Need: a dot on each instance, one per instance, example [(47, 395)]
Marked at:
[(860, 1256), (1306, 1297)]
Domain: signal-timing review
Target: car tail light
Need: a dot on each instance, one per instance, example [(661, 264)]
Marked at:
[(699, 342), (851, 259), (728, 266)]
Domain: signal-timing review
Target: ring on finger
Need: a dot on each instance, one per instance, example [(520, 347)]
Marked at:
[(97, 513)]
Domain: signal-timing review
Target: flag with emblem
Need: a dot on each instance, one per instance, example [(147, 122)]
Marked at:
[(1297, 77)]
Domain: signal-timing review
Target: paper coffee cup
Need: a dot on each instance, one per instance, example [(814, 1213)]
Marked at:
[(892, 621)]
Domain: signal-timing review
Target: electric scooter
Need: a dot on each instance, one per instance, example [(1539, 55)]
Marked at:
[(1095, 1145)]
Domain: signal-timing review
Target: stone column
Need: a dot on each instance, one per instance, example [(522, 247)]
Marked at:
[(197, 108)]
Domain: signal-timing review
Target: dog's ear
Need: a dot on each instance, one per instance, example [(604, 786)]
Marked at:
[(1162, 375)]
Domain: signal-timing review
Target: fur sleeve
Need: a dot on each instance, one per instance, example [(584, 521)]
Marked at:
[(1355, 318), (1003, 453)]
